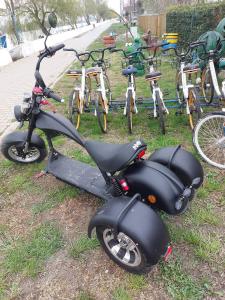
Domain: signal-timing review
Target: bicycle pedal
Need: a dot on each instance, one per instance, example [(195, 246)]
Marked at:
[(87, 109), (178, 113), (150, 115)]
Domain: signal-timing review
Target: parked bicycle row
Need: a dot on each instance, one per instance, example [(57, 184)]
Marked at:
[(192, 84)]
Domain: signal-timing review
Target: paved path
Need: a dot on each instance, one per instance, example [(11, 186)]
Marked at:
[(18, 77)]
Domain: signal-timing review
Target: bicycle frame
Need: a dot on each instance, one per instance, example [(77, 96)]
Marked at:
[(214, 77), (155, 88), (102, 90)]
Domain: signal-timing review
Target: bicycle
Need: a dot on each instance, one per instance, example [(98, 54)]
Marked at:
[(104, 93), (153, 76), (209, 80), (130, 107), (187, 93), (80, 95), (209, 138)]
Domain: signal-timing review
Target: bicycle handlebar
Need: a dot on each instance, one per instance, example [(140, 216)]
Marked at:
[(82, 57), (102, 52)]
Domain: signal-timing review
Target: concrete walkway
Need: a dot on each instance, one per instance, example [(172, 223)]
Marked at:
[(18, 77)]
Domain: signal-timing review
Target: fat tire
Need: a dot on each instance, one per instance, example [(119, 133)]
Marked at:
[(5, 151), (144, 267)]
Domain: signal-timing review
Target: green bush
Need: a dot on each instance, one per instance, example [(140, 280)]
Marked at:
[(192, 21)]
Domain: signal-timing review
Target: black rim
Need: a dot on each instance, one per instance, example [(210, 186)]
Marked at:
[(74, 112), (208, 88)]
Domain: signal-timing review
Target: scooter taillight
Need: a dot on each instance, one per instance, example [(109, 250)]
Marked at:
[(168, 253), (124, 185), (141, 154)]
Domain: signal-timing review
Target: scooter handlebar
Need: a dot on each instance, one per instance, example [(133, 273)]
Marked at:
[(53, 50), (50, 94)]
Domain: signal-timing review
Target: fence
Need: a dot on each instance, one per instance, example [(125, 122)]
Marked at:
[(155, 23)]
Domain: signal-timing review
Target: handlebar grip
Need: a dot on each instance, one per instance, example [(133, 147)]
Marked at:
[(50, 94), (52, 50)]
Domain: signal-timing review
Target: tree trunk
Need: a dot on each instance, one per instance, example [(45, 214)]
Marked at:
[(87, 19)]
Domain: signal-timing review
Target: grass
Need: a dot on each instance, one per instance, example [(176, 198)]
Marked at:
[(28, 256), (83, 245), (120, 294), (83, 295), (55, 198), (180, 285)]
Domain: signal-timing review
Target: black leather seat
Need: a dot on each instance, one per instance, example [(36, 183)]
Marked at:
[(74, 72), (129, 70), (153, 75), (191, 68), (114, 157)]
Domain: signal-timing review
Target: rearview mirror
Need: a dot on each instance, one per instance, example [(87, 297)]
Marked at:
[(52, 19)]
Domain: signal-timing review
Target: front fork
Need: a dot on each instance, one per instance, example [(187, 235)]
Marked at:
[(30, 132), (154, 90)]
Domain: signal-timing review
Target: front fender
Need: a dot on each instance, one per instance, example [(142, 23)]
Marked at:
[(19, 137), (137, 220)]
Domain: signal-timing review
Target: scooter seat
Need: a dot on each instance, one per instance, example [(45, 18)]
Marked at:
[(129, 70), (114, 157)]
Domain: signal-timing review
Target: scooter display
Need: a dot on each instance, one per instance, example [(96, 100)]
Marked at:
[(127, 226)]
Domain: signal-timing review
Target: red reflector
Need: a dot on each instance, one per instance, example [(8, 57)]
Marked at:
[(124, 185), (168, 253), (44, 102), (142, 153)]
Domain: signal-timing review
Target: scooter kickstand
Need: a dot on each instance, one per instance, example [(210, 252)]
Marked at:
[(41, 174)]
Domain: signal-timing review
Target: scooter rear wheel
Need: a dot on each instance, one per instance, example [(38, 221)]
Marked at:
[(123, 250)]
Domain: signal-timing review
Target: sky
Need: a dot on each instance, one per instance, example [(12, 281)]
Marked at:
[(114, 4), (2, 5)]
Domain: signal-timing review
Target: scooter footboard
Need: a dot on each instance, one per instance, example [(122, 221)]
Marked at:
[(137, 220), (181, 162)]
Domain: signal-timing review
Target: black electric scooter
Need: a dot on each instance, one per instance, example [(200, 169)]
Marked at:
[(129, 230)]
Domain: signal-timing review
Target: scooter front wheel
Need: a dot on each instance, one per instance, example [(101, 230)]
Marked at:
[(123, 250), (15, 151)]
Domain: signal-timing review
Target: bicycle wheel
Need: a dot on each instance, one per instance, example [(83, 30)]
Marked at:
[(160, 112), (108, 88), (194, 107), (130, 110), (209, 139), (207, 86), (87, 92), (179, 90), (101, 113), (74, 108)]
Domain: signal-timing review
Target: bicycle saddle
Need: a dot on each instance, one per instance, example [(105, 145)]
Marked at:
[(73, 72), (153, 75), (129, 70), (191, 68), (93, 70), (114, 157)]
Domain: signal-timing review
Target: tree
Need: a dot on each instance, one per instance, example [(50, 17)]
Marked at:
[(38, 11), (69, 11), (102, 10), (11, 12), (89, 9)]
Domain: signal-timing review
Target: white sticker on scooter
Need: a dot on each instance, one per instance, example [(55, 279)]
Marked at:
[(136, 145)]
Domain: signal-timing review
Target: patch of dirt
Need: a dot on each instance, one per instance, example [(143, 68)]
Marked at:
[(64, 278)]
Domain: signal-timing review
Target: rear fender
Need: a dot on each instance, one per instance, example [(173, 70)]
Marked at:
[(181, 162), (137, 220)]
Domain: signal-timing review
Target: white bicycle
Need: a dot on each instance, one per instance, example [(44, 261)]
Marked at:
[(209, 80), (209, 138)]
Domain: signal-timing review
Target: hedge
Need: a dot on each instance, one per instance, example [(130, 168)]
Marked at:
[(191, 21)]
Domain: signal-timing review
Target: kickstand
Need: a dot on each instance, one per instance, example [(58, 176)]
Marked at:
[(41, 174)]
